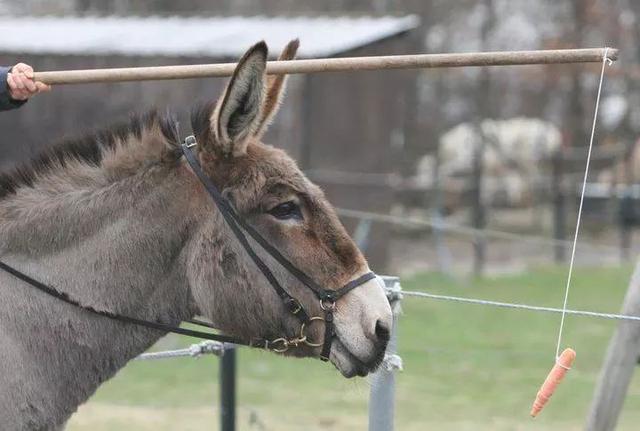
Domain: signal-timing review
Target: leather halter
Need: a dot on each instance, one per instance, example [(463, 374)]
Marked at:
[(327, 297), (238, 225)]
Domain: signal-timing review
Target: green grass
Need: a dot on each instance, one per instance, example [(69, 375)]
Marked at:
[(466, 367)]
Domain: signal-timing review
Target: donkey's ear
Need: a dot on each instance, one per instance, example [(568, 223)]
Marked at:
[(276, 85), (238, 112)]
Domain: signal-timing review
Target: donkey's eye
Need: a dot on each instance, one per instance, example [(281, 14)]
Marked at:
[(286, 211)]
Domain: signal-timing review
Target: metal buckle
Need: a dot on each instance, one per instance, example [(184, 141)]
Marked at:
[(331, 304), (190, 141), (285, 344), (293, 305), (283, 341), (304, 336)]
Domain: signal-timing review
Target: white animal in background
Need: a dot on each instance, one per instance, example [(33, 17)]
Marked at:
[(514, 155)]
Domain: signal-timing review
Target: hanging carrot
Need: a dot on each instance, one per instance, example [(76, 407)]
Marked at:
[(563, 364)]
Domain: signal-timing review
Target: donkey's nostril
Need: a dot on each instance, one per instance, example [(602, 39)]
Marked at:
[(382, 331)]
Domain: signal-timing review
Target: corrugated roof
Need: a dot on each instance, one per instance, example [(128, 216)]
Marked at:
[(194, 37)]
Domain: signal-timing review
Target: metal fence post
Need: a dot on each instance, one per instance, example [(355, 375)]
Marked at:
[(228, 389), (382, 396)]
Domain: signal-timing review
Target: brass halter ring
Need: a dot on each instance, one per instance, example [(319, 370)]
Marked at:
[(281, 345), (304, 336)]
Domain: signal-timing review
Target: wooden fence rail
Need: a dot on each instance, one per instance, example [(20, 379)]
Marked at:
[(503, 58)]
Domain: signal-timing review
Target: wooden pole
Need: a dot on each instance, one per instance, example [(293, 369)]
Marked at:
[(559, 207), (620, 362), (478, 218), (483, 110), (504, 58)]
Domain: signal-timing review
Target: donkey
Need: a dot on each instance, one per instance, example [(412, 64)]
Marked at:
[(118, 221)]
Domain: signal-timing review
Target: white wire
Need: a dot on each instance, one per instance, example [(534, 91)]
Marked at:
[(605, 59), (522, 306)]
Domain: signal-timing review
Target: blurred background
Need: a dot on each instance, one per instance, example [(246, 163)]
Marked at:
[(460, 181)]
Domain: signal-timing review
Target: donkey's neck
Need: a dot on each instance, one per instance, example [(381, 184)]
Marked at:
[(117, 247), (108, 247)]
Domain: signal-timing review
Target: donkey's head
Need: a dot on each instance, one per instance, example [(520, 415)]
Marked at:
[(269, 191)]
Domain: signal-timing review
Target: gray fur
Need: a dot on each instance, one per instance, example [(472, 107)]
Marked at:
[(138, 235)]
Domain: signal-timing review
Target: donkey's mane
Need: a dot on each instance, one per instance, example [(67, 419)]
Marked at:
[(90, 149)]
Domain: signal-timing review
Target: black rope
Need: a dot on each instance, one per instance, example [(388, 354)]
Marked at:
[(118, 317)]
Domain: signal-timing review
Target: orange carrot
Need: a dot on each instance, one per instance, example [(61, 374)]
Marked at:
[(563, 364)]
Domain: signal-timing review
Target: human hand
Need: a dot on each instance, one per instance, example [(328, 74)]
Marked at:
[(21, 84)]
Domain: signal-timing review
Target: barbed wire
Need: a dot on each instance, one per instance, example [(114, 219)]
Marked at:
[(465, 230), (491, 182)]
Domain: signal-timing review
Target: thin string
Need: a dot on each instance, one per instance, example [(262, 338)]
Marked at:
[(605, 61)]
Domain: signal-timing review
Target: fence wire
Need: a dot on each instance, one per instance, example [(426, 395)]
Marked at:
[(465, 230), (517, 306)]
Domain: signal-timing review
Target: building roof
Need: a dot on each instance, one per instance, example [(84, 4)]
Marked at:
[(218, 37)]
